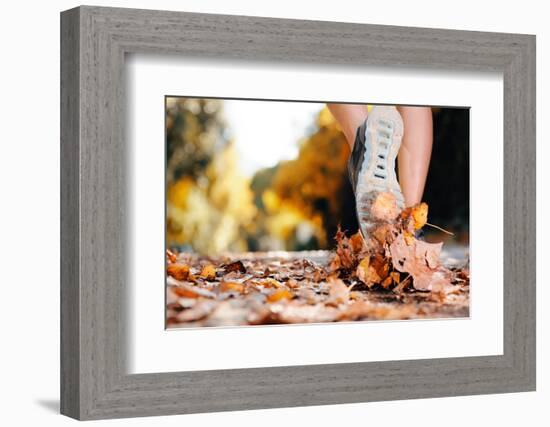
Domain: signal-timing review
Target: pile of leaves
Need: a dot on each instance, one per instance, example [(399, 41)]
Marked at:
[(389, 275)]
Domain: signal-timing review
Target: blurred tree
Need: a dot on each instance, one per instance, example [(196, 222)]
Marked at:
[(307, 198), (195, 131), (209, 204)]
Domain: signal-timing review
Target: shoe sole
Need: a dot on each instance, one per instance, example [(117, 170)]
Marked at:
[(383, 135)]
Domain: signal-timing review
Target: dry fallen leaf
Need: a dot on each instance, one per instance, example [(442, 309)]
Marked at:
[(344, 251), (232, 286), (271, 283), (178, 271), (236, 266), (351, 283), (171, 256), (184, 290), (384, 206), (338, 291), (420, 215), (357, 242), (419, 259), (208, 272), (362, 271), (280, 294)]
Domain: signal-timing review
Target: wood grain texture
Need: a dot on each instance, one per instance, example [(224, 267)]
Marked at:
[(70, 297), (94, 382)]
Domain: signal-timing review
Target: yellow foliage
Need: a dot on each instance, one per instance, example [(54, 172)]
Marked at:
[(210, 218), (312, 183)]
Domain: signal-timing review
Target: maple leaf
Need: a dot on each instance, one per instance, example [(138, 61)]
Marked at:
[(421, 260)]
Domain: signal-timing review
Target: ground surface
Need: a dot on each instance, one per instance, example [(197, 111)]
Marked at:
[(298, 287)]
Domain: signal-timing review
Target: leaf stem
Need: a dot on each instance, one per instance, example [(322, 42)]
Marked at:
[(440, 229)]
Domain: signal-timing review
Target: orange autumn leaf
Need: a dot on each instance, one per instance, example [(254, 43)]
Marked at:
[(280, 294), (208, 272), (420, 215), (184, 290), (178, 271), (372, 270), (381, 266), (271, 283), (384, 207), (232, 286), (396, 277), (335, 263), (386, 283), (362, 271), (409, 237), (171, 256), (356, 242), (344, 250)]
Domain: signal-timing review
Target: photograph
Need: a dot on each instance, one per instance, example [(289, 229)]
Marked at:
[(289, 212), (309, 191)]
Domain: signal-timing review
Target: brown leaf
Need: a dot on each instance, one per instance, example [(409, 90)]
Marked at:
[(373, 270), (362, 271), (357, 242), (384, 206), (178, 271), (280, 294), (184, 290), (171, 256), (383, 233), (344, 250), (232, 287), (396, 277), (386, 283), (292, 283), (208, 272), (271, 283), (335, 263), (237, 266), (414, 217), (421, 260), (420, 215), (338, 292)]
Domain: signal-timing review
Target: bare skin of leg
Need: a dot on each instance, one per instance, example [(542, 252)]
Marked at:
[(349, 117), (416, 145), (415, 152)]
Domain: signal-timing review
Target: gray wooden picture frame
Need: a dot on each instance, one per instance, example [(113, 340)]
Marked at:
[(94, 41)]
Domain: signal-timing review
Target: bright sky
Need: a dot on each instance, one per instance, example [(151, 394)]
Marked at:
[(266, 132)]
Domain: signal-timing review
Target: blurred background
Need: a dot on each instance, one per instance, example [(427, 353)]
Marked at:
[(248, 175)]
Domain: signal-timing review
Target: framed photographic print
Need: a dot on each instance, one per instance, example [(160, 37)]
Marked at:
[(262, 213)]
